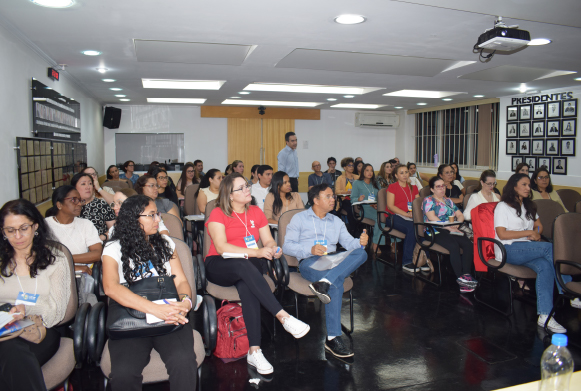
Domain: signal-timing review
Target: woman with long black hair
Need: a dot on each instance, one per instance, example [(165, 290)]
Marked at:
[(189, 176), (164, 189), (137, 250), (280, 198), (208, 189)]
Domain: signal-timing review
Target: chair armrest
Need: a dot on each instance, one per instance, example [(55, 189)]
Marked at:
[(97, 277), (285, 271), (388, 215), (277, 271), (79, 328), (420, 239), (358, 216), (499, 244), (196, 267), (202, 271), (543, 237), (560, 276), (95, 338), (210, 324)]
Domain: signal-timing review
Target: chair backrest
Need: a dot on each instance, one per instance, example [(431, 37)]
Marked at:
[(418, 215), (185, 255), (74, 299), (117, 184), (465, 201), (470, 182), (471, 189), (382, 204), (207, 240), (569, 197), (190, 200), (548, 211), (283, 222), (426, 191), (566, 243), (577, 207), (174, 225)]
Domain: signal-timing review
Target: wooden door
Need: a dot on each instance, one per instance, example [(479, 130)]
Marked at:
[(244, 142), (273, 131)]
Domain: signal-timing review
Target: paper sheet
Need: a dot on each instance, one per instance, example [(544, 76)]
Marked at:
[(327, 262), (152, 318)]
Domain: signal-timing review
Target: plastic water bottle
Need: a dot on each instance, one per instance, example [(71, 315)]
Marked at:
[(556, 365), (436, 160)]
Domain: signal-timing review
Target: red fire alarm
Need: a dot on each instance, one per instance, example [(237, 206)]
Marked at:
[(53, 74)]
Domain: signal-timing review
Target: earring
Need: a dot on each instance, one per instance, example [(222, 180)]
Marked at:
[(36, 233)]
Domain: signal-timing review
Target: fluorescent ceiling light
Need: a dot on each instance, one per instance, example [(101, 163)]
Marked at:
[(91, 52), (116, 89), (269, 103), (578, 79), (539, 42), (447, 99), (356, 106), (459, 64), (331, 99), (54, 3), (422, 94), (244, 93), (183, 84), (176, 100), (109, 80), (422, 104), (398, 107), (479, 96), (309, 88), (120, 96), (234, 97), (349, 19), (124, 100), (102, 70), (349, 96)]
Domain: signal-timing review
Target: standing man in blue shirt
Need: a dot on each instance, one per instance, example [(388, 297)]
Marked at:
[(288, 160), (313, 233)]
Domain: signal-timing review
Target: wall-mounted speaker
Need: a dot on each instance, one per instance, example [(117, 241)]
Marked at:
[(112, 117)]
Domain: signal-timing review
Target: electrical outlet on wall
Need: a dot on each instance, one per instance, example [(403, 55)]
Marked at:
[(305, 145)]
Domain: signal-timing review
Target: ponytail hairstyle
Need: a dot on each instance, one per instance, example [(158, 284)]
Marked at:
[(58, 195), (205, 182), (485, 174)]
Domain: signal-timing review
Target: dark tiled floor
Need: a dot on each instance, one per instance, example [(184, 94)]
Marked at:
[(408, 335)]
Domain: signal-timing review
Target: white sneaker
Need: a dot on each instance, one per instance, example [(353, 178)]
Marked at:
[(294, 326), (553, 325), (258, 361), (576, 303)]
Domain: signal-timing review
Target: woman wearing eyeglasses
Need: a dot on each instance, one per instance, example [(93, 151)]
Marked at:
[(29, 264), (236, 227), (486, 193), (136, 249), (148, 186), (94, 209), (120, 196), (189, 176), (542, 188), (79, 235), (453, 191), (129, 167), (164, 189)]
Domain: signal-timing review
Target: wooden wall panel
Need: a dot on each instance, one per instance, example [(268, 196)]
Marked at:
[(273, 131), (484, 134), (252, 112), (244, 142)]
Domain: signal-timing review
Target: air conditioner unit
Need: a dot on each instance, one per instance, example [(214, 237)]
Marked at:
[(377, 119)]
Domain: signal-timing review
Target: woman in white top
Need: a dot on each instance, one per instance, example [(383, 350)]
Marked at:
[(519, 229), (209, 188), (120, 196), (486, 193), (79, 235), (135, 250), (414, 179)]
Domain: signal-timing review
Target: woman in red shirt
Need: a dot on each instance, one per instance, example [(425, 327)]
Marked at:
[(236, 227), (400, 196)]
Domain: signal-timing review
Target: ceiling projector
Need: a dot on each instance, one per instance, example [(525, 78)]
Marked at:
[(503, 38)]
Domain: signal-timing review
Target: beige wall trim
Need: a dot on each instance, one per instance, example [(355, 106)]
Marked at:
[(252, 112), (455, 105)]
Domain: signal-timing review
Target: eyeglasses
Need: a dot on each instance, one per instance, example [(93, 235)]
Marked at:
[(163, 178), (153, 216), (115, 203), (350, 165), (317, 165), (11, 232), (244, 187), (152, 186), (440, 187), (190, 172), (131, 165), (329, 196), (490, 184), (75, 200), (542, 177)]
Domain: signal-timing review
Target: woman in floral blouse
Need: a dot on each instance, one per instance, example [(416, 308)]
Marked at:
[(438, 207)]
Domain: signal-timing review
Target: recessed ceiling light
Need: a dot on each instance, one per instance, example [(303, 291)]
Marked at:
[(269, 103), (116, 89), (331, 99), (447, 99), (109, 80), (422, 104), (356, 106), (234, 97), (244, 92), (349, 96), (479, 96), (120, 96), (349, 19), (523, 88), (539, 42), (398, 107), (578, 79), (310, 88), (422, 94), (176, 100), (54, 3), (124, 100), (183, 84), (102, 70), (91, 52)]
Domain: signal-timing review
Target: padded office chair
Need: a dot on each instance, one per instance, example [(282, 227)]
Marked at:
[(569, 197), (465, 200), (369, 224), (548, 210), (386, 232), (470, 189), (470, 182), (120, 184), (192, 228), (425, 192), (577, 207), (174, 225)]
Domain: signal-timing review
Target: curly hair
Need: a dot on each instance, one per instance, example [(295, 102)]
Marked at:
[(136, 246), (42, 254), (510, 197)]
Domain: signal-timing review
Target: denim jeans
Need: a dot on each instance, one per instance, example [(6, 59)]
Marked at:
[(539, 257), (336, 276), (406, 227)]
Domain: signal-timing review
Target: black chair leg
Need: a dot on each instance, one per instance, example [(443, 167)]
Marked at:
[(200, 378), (345, 329), (296, 305), (510, 298)]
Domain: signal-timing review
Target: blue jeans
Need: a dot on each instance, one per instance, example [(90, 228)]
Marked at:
[(539, 257), (406, 227), (336, 276)]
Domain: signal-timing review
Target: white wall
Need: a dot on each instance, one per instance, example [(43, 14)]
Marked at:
[(18, 65)]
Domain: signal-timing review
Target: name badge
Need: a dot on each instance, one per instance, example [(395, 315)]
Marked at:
[(250, 242), (26, 298), (371, 197), (409, 206), (322, 243)]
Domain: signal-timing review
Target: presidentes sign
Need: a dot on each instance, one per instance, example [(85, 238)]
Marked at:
[(542, 98)]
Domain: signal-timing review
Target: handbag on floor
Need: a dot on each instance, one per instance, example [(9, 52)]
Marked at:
[(123, 322), (232, 341)]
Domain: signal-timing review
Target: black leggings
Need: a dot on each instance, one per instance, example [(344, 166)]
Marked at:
[(461, 263), (251, 285), (21, 362)]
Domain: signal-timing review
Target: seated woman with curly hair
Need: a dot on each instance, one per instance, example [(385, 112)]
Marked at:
[(136, 249)]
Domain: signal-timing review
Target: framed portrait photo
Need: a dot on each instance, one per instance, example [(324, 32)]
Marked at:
[(552, 146), (538, 147), (511, 130), (532, 162), (559, 166), (569, 127), (544, 161), (525, 112), (553, 109), (569, 108), (524, 147), (524, 129), (568, 146), (516, 160), (512, 113), (511, 147), (538, 128), (553, 127), (539, 111)]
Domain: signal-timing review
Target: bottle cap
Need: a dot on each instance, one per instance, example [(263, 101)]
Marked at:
[(559, 340)]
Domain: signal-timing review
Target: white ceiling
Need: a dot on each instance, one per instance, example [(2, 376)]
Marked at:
[(268, 34)]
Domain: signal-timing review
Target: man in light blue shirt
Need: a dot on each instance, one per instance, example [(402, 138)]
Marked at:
[(288, 161), (319, 177), (311, 234)]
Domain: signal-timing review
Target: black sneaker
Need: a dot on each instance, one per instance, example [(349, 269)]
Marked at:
[(320, 288), (338, 347)]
